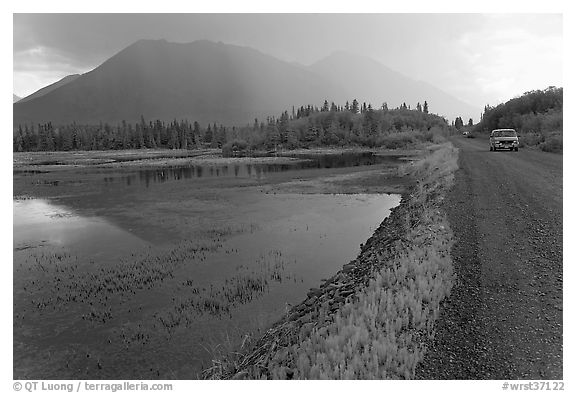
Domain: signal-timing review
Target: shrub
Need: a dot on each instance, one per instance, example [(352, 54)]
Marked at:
[(406, 138), (397, 140), (530, 139), (552, 121), (552, 143), (234, 147), (439, 134)]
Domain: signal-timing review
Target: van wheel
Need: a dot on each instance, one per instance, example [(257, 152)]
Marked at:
[(515, 149), (491, 148)]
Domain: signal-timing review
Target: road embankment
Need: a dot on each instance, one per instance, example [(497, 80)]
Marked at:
[(374, 317)]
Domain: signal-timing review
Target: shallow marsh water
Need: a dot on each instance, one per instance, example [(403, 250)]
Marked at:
[(148, 279)]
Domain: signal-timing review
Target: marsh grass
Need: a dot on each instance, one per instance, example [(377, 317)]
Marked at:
[(223, 231), (380, 333), (53, 282), (221, 298), (225, 350), (58, 279)]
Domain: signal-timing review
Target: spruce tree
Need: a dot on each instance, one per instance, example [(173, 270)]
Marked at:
[(355, 106)]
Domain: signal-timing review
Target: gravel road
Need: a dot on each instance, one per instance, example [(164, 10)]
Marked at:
[(503, 319)]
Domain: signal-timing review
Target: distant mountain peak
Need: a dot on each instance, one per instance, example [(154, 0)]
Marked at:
[(202, 81), (209, 81), (369, 80), (150, 41)]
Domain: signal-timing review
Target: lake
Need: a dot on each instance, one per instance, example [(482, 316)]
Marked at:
[(153, 276)]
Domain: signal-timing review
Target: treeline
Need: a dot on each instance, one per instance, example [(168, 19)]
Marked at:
[(333, 125), (306, 126), (142, 135), (534, 111), (536, 115), (459, 123)]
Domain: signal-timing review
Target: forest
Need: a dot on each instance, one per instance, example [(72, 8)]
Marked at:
[(536, 116), (352, 124)]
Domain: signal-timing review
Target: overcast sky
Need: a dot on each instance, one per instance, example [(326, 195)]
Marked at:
[(479, 58)]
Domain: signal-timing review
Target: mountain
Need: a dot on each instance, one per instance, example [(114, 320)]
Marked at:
[(15, 98), (372, 82), (214, 82), (49, 88), (201, 80)]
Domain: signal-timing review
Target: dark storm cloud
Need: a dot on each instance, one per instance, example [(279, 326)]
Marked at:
[(86, 38)]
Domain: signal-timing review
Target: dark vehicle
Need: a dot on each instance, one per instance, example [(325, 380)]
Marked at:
[(505, 138)]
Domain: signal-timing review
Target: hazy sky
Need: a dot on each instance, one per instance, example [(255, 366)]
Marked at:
[(479, 58)]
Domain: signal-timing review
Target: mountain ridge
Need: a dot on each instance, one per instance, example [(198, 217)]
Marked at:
[(201, 81), (391, 87), (51, 87)]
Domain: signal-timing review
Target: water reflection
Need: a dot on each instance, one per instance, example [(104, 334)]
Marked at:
[(255, 171), (100, 300), (84, 286), (37, 223)]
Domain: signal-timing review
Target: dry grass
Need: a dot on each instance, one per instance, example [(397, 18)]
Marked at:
[(380, 334)]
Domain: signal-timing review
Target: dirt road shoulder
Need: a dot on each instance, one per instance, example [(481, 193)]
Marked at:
[(503, 319)]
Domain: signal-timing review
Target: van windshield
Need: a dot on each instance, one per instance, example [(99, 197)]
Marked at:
[(504, 133)]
